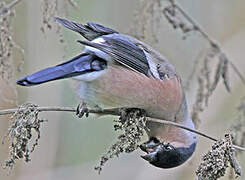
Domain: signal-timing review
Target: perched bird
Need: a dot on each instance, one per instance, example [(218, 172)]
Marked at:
[(118, 71)]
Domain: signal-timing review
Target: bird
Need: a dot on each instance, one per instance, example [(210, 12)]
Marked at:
[(119, 71)]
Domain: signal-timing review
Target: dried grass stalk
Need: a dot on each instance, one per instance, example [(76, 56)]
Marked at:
[(7, 44), (147, 20), (238, 128)]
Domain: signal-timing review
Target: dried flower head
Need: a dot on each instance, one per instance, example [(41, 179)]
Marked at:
[(20, 134), (215, 162), (133, 123)]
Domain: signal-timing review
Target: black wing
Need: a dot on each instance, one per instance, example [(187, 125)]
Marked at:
[(122, 51)]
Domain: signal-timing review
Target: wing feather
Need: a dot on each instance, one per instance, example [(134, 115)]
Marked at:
[(90, 30), (122, 51)]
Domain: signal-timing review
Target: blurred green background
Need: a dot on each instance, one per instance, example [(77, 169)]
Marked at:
[(70, 147)]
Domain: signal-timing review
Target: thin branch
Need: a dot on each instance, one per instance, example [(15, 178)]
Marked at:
[(12, 4), (183, 127), (205, 35), (237, 72), (192, 130), (41, 109), (116, 112), (5, 9), (65, 109)]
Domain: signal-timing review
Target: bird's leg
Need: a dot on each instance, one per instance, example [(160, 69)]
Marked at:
[(82, 109)]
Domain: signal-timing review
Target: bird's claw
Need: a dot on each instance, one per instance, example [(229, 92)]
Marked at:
[(82, 110)]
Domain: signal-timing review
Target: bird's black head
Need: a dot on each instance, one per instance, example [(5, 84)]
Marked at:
[(164, 155)]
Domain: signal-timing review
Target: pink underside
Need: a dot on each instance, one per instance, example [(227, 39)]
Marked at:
[(122, 87)]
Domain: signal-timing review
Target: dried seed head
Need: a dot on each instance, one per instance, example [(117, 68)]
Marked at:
[(177, 20), (133, 123), (215, 162), (20, 134)]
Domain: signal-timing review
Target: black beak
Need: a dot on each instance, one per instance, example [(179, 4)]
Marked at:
[(151, 147), (151, 157)]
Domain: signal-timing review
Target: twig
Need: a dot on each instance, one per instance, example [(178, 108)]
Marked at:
[(205, 35), (4, 10), (237, 72), (66, 109), (12, 4), (116, 112)]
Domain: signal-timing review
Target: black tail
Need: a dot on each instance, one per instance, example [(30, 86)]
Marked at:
[(90, 30), (79, 65)]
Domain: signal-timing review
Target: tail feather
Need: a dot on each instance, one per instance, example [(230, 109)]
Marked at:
[(79, 65)]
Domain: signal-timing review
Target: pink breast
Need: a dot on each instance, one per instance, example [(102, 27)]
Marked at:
[(122, 87)]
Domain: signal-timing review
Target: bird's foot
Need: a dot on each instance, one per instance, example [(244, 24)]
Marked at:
[(82, 109)]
